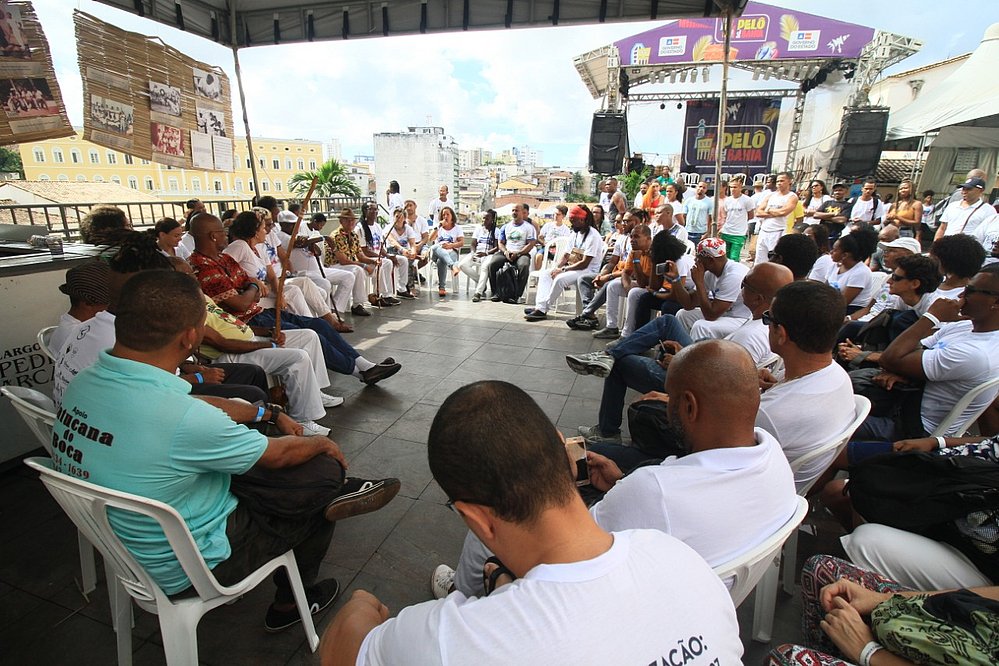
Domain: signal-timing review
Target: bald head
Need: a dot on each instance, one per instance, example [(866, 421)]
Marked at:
[(767, 278), (204, 224), (977, 173), (696, 404), (209, 234)]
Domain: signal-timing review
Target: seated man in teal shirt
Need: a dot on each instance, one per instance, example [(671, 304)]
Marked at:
[(128, 423)]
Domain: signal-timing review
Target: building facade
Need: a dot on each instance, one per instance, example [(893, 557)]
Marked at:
[(75, 159), (420, 159)]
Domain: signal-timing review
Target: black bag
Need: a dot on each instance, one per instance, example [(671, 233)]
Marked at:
[(290, 491), (650, 430), (506, 282)]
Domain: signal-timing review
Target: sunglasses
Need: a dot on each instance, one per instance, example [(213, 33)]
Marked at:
[(769, 319), (968, 290), (895, 277)]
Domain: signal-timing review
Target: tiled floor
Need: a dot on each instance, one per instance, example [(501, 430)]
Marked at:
[(44, 619)]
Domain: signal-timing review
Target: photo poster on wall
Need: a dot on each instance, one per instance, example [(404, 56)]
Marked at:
[(149, 100), (31, 106)]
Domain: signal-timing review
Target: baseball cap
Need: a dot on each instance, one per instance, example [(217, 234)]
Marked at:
[(972, 183), (711, 247), (318, 217), (910, 244), (286, 216), (88, 282)]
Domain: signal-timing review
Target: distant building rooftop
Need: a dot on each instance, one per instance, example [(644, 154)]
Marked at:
[(76, 192)]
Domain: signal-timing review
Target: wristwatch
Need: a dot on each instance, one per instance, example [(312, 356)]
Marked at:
[(276, 411)]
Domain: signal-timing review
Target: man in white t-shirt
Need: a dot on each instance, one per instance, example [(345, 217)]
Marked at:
[(584, 257), (629, 597), (714, 308), (773, 212), (814, 399), (87, 288), (966, 215), (435, 207), (517, 238), (961, 354), (700, 208), (739, 210), (868, 207)]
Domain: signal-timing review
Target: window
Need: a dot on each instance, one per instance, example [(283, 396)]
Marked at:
[(112, 158), (276, 163), (248, 164), (264, 185), (42, 176), (312, 165), (263, 163), (133, 182), (57, 156), (277, 185), (238, 185), (116, 179), (217, 185), (75, 156), (62, 178), (301, 164), (95, 157), (149, 183), (173, 185), (145, 162), (98, 179), (39, 155), (251, 186), (196, 184), (129, 160), (287, 164), (81, 178)]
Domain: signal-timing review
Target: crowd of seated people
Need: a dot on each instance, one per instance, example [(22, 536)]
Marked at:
[(740, 370)]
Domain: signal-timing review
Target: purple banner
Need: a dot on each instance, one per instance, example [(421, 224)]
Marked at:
[(763, 32), (750, 129)]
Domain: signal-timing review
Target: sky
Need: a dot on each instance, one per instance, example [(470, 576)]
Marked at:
[(488, 89)]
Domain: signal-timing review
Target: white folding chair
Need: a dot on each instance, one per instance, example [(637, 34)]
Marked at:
[(44, 336), (774, 363), (747, 569), (87, 505), (552, 254), (878, 280), (954, 415), (766, 593), (38, 412)]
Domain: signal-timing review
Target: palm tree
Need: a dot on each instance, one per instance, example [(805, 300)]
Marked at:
[(332, 180)]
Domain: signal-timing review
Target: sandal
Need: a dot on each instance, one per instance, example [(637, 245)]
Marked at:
[(489, 582)]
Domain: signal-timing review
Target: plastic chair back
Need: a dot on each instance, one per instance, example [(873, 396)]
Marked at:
[(878, 280), (861, 408), (747, 569), (954, 416), (37, 410), (44, 336)]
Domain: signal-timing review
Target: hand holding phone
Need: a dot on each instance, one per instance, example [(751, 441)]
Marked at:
[(575, 448)]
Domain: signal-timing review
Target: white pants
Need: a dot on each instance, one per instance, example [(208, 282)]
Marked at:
[(384, 278), (477, 270), (913, 560), (343, 286), (615, 290), (550, 288), (300, 367), (702, 329), (401, 271), (359, 287), (314, 300), (765, 243)]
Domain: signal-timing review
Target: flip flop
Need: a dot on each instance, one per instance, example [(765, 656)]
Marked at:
[(489, 582)]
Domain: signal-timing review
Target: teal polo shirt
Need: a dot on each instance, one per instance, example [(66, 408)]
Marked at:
[(133, 427)]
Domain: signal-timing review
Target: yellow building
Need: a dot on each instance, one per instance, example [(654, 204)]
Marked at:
[(74, 159)]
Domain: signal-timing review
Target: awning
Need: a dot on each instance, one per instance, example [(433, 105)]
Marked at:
[(262, 22)]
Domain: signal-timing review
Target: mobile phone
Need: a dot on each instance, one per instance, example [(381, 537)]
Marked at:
[(661, 268), (576, 448)]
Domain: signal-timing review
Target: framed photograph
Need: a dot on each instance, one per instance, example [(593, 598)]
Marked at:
[(166, 139), (27, 98), (13, 42), (207, 84), (164, 98), (112, 116), (211, 122)]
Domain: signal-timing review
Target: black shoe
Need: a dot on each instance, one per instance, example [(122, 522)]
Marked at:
[(529, 310), (477, 297), (359, 311), (423, 280), (319, 597), (535, 315), (372, 376), (360, 496), (405, 294), (587, 324), (388, 361), (494, 298), (511, 301)]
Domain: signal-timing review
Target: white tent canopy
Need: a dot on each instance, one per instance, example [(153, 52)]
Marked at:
[(970, 94)]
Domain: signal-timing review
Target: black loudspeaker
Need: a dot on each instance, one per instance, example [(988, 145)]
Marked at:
[(608, 143), (861, 138)]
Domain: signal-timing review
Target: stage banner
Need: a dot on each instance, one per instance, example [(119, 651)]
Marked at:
[(750, 129), (149, 100), (31, 106)]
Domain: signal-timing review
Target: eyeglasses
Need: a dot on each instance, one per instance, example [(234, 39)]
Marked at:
[(771, 255), (968, 290), (895, 277), (746, 285), (769, 319)]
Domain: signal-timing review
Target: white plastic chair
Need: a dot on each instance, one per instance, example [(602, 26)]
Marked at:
[(44, 336), (766, 593), (747, 569), (774, 363), (878, 280), (87, 506), (954, 415), (557, 248), (38, 412)]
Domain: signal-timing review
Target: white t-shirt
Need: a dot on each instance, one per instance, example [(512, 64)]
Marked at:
[(376, 237), (648, 597), (605, 198), (683, 266), (435, 208), (720, 502), (775, 201), (452, 235), (517, 236), (805, 412), (956, 360), (60, 333), (419, 225), (591, 245), (866, 210), (187, 240), (953, 293), (247, 259), (754, 337), (484, 239), (679, 231), (737, 215), (85, 342), (181, 252), (814, 204), (857, 276), (394, 201), (638, 199), (821, 267), (679, 208), (698, 211), (302, 259), (987, 232), (728, 287), (888, 301), (962, 219), (620, 245), (550, 231), (407, 238)]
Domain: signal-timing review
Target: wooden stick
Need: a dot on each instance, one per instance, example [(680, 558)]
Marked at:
[(279, 296)]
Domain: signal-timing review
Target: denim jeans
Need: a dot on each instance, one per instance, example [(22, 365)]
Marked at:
[(445, 260), (337, 352)]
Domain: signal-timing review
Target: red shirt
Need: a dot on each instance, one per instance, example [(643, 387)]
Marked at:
[(221, 279)]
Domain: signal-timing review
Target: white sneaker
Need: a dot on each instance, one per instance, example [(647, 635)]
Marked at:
[(311, 429), (330, 400), (442, 581)]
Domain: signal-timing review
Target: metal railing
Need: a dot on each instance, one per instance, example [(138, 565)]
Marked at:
[(64, 219)]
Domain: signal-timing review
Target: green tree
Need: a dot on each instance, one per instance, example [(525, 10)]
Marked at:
[(10, 161), (576, 186), (633, 181), (333, 180)]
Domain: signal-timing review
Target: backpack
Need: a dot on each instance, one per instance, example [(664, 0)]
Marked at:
[(506, 283)]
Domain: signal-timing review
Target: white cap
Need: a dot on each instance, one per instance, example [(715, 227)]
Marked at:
[(910, 244), (286, 216)]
